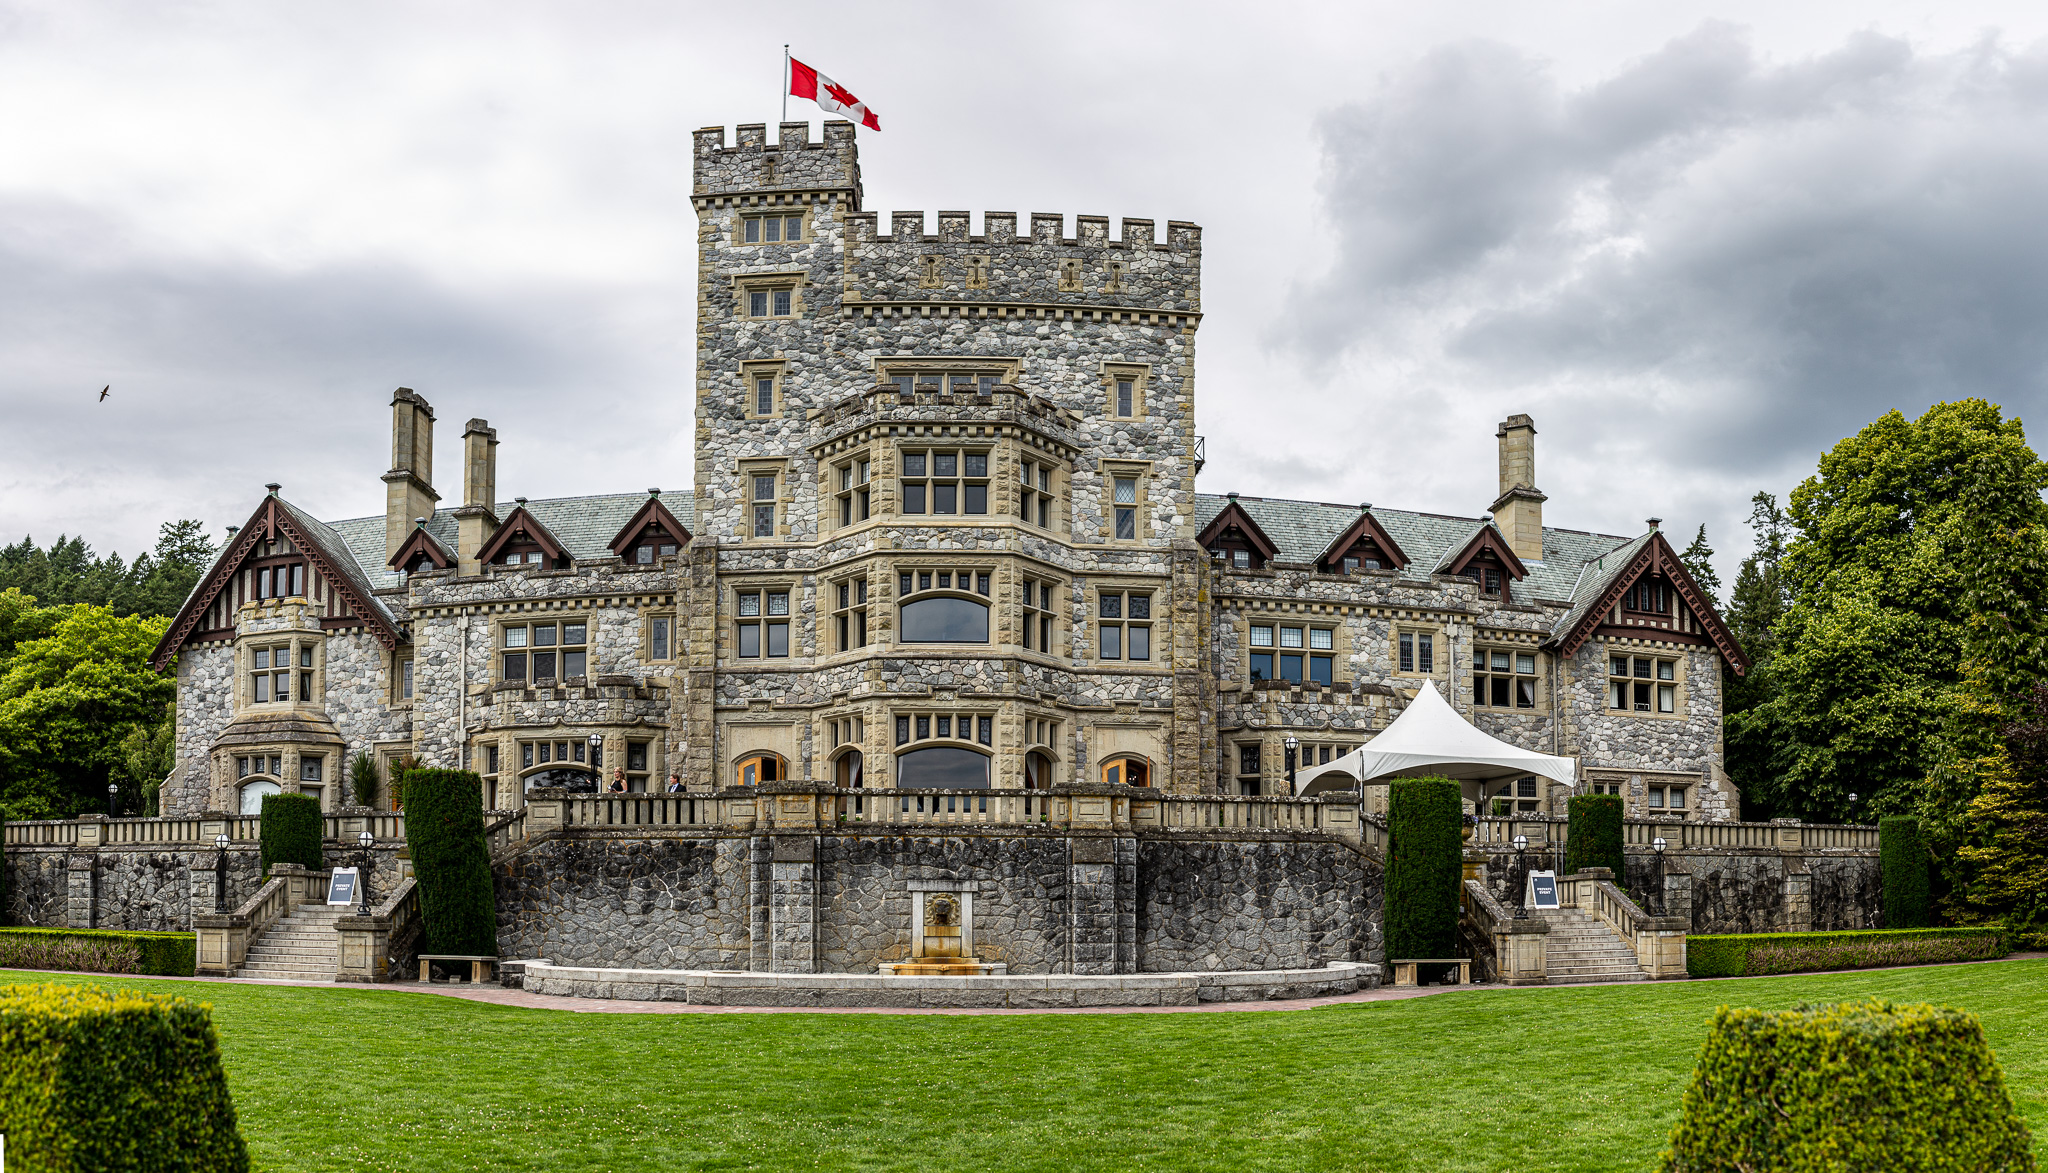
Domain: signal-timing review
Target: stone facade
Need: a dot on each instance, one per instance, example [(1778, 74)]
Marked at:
[(944, 534)]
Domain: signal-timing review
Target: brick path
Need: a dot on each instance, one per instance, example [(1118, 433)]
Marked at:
[(499, 996)]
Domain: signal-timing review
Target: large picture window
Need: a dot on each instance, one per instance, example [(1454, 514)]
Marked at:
[(1285, 651), (549, 652), (944, 481), (1503, 679), (941, 607), (1642, 684)]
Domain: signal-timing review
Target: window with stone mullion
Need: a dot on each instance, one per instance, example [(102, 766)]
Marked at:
[(940, 482), (1503, 678)]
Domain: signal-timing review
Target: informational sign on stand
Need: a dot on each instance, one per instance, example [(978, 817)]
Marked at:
[(341, 886), (1542, 890)]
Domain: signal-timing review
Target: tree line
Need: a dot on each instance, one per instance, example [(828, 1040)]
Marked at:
[(80, 708), (1895, 608)]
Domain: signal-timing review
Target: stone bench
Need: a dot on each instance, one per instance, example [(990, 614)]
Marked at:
[(1404, 970), (477, 964)]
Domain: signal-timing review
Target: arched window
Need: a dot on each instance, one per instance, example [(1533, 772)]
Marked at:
[(942, 767), (253, 792), (1037, 771), (847, 768), (944, 619), (1127, 772), (755, 769)]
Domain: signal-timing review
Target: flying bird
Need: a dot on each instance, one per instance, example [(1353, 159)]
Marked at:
[(104, 390)]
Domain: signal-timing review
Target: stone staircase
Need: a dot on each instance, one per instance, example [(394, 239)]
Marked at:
[(301, 947), (1581, 948)]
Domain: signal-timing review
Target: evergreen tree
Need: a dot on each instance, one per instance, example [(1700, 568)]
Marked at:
[(1699, 562), (156, 583)]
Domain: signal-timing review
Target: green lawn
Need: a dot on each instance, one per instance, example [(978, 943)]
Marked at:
[(1509, 1080)]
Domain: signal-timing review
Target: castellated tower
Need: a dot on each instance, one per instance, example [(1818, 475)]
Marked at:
[(945, 488)]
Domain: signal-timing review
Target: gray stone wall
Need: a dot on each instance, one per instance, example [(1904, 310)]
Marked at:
[(206, 703), (1040, 904), (140, 890), (1214, 905), (1734, 890), (668, 903)]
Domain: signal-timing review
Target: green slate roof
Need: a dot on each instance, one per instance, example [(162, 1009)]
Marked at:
[(584, 525), (1304, 529)]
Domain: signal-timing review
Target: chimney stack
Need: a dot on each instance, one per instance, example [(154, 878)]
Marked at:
[(1518, 511), (477, 520), (409, 486)]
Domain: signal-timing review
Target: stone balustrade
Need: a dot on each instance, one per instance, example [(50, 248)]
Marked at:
[(1545, 831)]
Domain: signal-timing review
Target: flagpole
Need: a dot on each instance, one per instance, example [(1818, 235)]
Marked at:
[(785, 83)]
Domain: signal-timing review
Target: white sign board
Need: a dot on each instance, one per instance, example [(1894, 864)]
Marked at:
[(341, 886), (1542, 890)]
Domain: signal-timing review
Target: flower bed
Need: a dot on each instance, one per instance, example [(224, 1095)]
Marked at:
[(99, 951)]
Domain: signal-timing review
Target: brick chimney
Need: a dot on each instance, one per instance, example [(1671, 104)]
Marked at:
[(1518, 511), (409, 486), (477, 520)]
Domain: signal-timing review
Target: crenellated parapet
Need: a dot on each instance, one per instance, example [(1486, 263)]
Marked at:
[(1042, 266), (793, 168)]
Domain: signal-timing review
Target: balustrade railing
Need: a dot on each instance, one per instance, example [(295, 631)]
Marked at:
[(1548, 831)]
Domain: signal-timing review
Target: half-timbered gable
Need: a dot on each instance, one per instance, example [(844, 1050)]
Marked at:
[(280, 553), (1643, 590)]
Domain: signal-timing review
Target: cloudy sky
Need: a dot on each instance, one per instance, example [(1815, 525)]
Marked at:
[(1698, 243)]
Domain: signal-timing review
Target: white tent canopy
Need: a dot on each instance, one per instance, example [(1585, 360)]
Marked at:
[(1429, 737)]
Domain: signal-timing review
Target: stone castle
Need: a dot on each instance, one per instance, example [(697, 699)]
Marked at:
[(942, 666), (945, 533)]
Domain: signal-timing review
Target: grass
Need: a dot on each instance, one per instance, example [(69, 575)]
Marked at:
[(1508, 1080)]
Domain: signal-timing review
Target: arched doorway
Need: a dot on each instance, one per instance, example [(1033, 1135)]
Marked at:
[(757, 768), (848, 769), (1127, 771), (1037, 771)]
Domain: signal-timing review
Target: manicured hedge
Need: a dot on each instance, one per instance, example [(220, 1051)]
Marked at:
[(98, 1080), (1857, 1085), (1902, 856), (99, 951), (292, 830), (1749, 954), (1593, 837), (1425, 848), (444, 827)]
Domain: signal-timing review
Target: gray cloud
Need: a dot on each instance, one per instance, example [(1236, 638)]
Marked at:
[(1698, 271)]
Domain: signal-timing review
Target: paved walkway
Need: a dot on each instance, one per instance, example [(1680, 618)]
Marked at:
[(499, 996)]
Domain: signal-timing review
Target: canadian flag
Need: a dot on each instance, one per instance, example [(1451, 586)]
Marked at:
[(805, 82)]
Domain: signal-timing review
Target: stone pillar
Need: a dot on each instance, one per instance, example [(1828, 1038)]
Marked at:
[(760, 886), (793, 904), (81, 891), (1677, 893), (208, 877), (1101, 904), (1798, 903)]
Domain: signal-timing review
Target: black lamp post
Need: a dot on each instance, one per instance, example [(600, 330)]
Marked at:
[(113, 791), (1852, 806), (1522, 845), (1293, 745), (1657, 845), (366, 841), (220, 871)]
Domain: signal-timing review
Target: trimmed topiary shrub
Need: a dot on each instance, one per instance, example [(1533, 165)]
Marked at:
[(292, 829), (1593, 837), (1425, 848), (1902, 854), (444, 828), (94, 1079), (1856, 1085), (1750, 954), (100, 951)]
